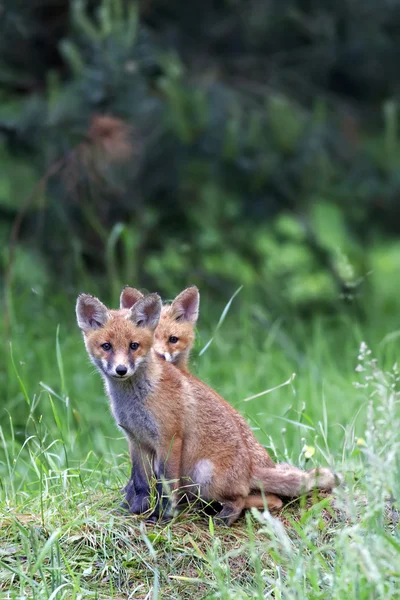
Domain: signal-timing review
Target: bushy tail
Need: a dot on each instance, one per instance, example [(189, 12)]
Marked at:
[(286, 480)]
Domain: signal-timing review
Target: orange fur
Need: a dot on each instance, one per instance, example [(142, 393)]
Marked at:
[(177, 427), (177, 320), (174, 336), (177, 353)]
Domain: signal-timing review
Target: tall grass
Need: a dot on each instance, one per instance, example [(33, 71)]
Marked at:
[(62, 463)]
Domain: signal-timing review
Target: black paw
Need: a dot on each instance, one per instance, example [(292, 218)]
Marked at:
[(228, 515), (124, 508), (222, 520), (129, 492), (139, 505)]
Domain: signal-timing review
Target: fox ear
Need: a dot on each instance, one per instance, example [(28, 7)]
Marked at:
[(90, 312), (185, 307), (146, 312), (129, 297)]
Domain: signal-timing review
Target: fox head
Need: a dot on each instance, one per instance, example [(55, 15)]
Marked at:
[(174, 336), (118, 341)]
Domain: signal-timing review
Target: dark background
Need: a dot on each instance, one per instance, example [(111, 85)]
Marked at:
[(221, 143)]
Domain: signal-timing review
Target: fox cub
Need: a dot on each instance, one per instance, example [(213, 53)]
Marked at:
[(173, 341), (178, 429)]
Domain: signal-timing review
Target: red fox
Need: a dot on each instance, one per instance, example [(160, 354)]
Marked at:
[(173, 341), (178, 429)]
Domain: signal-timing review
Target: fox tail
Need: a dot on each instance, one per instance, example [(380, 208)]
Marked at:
[(287, 480)]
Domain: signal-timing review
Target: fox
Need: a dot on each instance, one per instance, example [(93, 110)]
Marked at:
[(174, 337), (178, 429), (173, 341)]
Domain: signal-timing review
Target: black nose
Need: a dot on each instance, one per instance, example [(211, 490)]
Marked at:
[(121, 370), (161, 355)]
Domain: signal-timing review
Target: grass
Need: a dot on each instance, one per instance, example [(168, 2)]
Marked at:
[(62, 463)]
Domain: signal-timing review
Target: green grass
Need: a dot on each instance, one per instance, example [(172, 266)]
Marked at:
[(63, 461)]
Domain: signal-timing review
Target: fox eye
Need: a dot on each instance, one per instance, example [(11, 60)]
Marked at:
[(173, 339), (133, 345), (106, 346)]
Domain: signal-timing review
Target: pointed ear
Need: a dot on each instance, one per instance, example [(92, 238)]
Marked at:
[(146, 312), (185, 307), (90, 312), (129, 297)]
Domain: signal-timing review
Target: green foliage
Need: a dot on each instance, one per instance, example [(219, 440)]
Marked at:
[(224, 144), (63, 462), (165, 158)]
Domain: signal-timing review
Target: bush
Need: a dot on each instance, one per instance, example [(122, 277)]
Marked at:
[(229, 148)]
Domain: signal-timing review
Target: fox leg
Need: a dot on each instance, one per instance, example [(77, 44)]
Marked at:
[(231, 510), (132, 453), (260, 501), (137, 491), (168, 479)]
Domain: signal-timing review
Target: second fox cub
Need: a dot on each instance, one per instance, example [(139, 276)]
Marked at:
[(174, 335), (178, 429)]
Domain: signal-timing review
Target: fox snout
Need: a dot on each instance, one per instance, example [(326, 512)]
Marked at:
[(121, 370), (117, 369), (166, 356)]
